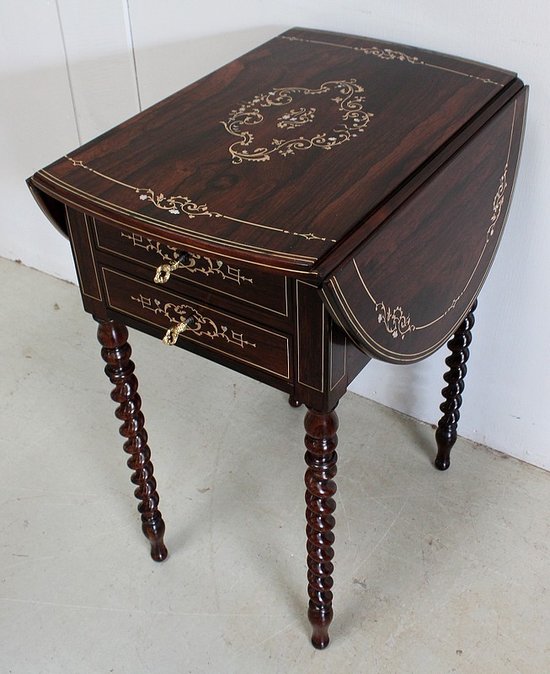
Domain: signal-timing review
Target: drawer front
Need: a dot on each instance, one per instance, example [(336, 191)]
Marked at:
[(265, 291), (215, 330)]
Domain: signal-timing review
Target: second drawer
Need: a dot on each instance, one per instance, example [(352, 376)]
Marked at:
[(240, 340)]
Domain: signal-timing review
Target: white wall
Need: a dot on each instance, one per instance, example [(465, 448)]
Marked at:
[(71, 69)]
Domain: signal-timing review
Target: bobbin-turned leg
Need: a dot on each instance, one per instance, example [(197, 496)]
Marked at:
[(116, 352), (445, 434), (321, 457)]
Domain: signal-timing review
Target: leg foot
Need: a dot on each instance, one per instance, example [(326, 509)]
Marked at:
[(321, 457), (293, 402), (116, 352), (446, 432)]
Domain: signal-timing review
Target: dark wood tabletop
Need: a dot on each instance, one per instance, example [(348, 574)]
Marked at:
[(284, 155)]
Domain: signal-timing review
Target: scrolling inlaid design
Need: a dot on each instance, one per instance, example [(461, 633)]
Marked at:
[(174, 204), (498, 202), (295, 118), (202, 326), (353, 120), (397, 322), (184, 205), (392, 55), (197, 263)]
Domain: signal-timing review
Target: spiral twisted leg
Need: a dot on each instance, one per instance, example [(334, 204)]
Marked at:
[(116, 353), (321, 457), (445, 434)]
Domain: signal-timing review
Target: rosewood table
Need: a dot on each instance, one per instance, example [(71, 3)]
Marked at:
[(323, 200)]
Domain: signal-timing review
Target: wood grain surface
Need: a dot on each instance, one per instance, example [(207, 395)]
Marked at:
[(280, 155)]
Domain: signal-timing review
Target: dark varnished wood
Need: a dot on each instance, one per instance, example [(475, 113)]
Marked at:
[(257, 288), (243, 341), (287, 211), (402, 294), (116, 353), (303, 265), (446, 432), (321, 457)]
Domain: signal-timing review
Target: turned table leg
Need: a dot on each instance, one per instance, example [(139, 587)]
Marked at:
[(445, 434), (321, 457), (116, 352)]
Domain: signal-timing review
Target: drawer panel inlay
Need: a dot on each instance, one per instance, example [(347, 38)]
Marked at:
[(262, 290), (241, 340)]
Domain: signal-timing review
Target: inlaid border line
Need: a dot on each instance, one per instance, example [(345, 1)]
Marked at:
[(298, 359), (180, 204), (400, 321), (188, 335), (187, 279), (391, 55), (145, 218), (77, 256)]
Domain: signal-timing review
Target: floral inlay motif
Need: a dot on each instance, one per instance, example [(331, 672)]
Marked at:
[(498, 202), (174, 204), (397, 321), (295, 118), (180, 204), (392, 55), (389, 54), (349, 104), (202, 326), (197, 263)]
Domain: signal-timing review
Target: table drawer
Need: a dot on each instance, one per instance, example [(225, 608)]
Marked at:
[(215, 330), (262, 290)]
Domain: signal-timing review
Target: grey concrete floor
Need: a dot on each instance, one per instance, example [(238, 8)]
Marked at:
[(435, 572)]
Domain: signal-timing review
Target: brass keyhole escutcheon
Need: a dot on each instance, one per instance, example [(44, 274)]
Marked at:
[(163, 272), (172, 334)]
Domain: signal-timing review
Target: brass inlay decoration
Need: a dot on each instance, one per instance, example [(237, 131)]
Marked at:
[(201, 326), (194, 263), (295, 118), (392, 55), (175, 204), (250, 357), (397, 321), (83, 278), (233, 247), (498, 201), (299, 362), (179, 205), (353, 120), (142, 241)]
